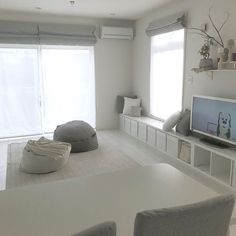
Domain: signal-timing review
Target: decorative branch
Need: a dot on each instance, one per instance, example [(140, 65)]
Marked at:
[(207, 36), (214, 26)]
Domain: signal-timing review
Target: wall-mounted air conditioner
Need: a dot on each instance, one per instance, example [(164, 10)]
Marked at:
[(108, 32)]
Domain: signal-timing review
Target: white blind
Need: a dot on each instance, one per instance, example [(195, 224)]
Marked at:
[(46, 34), (164, 25)]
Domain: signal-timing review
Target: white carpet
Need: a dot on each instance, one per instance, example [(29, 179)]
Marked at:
[(106, 158)]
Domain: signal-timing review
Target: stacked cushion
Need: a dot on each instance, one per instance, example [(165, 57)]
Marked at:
[(44, 156), (79, 134)]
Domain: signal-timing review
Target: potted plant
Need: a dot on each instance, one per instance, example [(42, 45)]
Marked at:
[(205, 62)]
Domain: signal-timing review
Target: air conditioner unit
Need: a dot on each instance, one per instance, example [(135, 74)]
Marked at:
[(116, 33)]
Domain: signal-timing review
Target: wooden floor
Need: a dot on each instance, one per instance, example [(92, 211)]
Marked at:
[(136, 150)]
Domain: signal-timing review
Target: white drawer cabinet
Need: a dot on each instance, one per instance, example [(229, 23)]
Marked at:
[(172, 146), (122, 123), (161, 140), (134, 128), (127, 125), (142, 132), (151, 136)]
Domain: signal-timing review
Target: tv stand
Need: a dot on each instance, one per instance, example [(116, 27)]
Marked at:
[(214, 161), (214, 143)]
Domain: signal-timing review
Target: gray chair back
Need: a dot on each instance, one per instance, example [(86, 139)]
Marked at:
[(207, 218), (103, 229)]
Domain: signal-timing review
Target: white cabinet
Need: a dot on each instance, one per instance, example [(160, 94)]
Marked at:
[(151, 136), (172, 146), (142, 132), (127, 125), (217, 163), (122, 122), (134, 128), (161, 140)]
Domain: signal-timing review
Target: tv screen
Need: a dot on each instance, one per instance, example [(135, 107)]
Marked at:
[(214, 117)]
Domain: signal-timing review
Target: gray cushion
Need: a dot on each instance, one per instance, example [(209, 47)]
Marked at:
[(103, 229), (183, 126), (120, 102), (79, 134), (171, 122), (207, 218), (44, 156)]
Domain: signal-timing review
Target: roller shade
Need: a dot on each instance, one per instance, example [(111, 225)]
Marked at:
[(55, 34), (164, 25), (18, 33), (46, 33)]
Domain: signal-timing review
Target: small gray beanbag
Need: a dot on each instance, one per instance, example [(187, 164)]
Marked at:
[(79, 134)]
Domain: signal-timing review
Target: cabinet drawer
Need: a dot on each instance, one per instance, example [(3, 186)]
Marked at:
[(134, 128), (151, 136), (172, 146), (127, 125), (161, 140), (142, 132), (122, 123)]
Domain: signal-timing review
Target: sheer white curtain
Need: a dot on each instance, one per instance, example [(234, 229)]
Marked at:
[(166, 84), (19, 92), (68, 85), (42, 87)]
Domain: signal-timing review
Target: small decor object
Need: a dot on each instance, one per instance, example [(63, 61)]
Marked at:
[(44, 156), (79, 134), (230, 47)]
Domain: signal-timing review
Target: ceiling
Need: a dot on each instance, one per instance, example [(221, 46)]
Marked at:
[(120, 9)]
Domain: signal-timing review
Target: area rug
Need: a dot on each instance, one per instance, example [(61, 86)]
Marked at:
[(106, 158)]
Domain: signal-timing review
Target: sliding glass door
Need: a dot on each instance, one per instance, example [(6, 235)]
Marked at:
[(68, 85), (42, 87), (20, 112)]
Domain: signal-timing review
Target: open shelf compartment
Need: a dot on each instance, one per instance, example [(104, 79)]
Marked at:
[(185, 151), (202, 159), (221, 168)]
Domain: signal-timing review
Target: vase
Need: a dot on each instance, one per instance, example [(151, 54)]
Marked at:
[(206, 63)]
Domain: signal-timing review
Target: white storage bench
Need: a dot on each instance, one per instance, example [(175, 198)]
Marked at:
[(217, 163)]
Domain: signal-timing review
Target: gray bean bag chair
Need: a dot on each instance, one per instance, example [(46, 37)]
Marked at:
[(44, 156), (79, 134)]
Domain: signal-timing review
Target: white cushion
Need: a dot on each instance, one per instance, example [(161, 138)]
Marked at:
[(171, 122), (129, 103)]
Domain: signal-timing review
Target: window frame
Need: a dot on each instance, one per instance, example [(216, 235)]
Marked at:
[(184, 66)]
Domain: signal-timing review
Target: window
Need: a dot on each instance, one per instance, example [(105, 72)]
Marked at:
[(42, 87), (166, 81)]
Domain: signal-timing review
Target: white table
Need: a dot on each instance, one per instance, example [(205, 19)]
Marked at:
[(68, 206)]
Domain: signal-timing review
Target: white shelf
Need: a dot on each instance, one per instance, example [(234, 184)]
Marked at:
[(217, 163)]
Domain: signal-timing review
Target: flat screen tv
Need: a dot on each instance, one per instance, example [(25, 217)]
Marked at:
[(214, 117)]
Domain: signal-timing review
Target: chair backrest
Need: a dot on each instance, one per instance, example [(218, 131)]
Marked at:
[(103, 229), (207, 218)]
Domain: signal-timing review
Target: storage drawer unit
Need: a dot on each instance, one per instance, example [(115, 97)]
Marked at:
[(134, 128), (161, 140), (127, 125), (142, 132), (172, 147), (151, 136)]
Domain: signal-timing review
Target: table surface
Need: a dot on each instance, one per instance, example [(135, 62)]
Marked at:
[(69, 206)]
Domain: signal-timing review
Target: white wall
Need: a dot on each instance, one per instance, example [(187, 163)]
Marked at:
[(224, 83), (113, 64)]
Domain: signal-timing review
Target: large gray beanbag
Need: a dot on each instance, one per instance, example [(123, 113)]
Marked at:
[(79, 134), (44, 156)]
